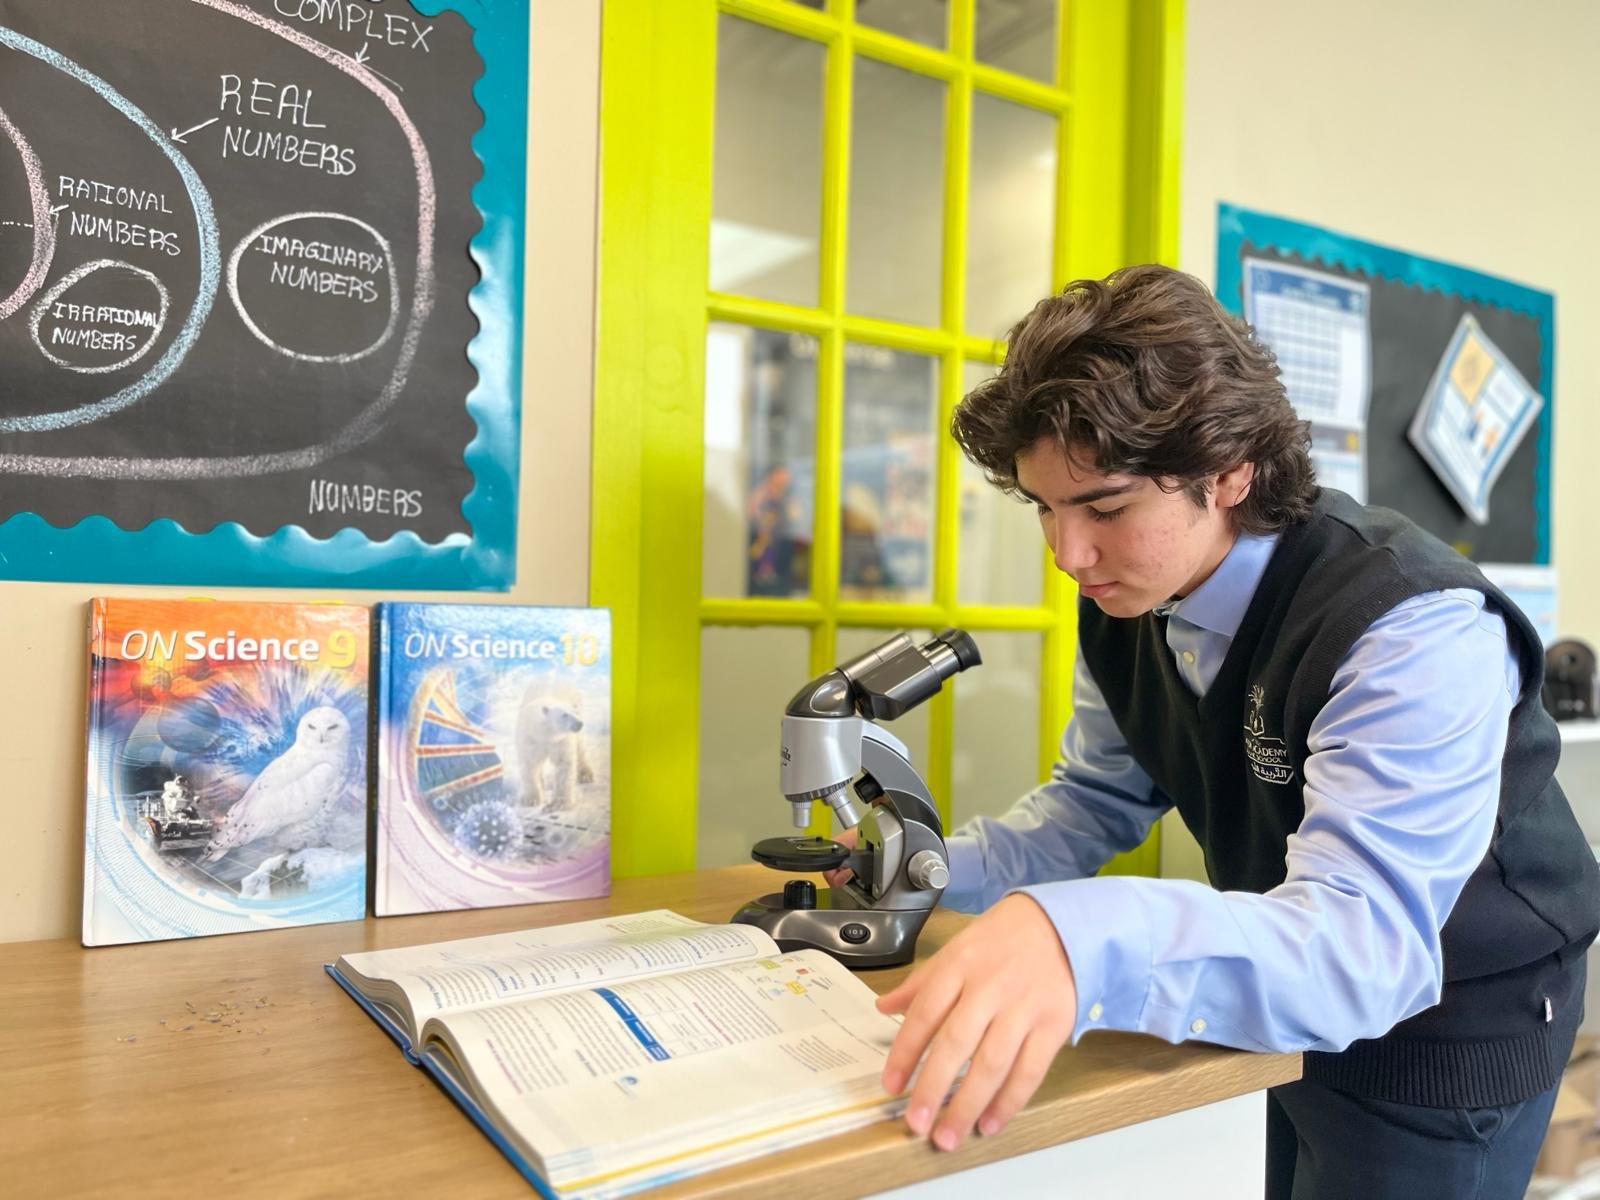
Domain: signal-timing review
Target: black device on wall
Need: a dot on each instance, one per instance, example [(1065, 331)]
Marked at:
[(1570, 682)]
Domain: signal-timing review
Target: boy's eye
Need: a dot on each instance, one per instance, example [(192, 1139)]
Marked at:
[(1107, 514), (1041, 508)]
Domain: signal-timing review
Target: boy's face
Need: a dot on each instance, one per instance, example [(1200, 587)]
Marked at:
[(1128, 544)]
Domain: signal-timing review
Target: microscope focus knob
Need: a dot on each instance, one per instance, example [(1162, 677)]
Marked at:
[(927, 870), (799, 893)]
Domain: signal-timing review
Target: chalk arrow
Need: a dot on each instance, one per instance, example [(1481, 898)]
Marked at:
[(180, 137), (57, 209), (361, 60)]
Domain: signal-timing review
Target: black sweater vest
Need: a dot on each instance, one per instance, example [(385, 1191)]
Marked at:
[(1232, 762)]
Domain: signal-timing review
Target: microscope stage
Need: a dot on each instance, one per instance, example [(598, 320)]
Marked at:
[(800, 853)]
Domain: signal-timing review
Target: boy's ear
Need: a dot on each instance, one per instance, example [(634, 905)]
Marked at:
[(1233, 485)]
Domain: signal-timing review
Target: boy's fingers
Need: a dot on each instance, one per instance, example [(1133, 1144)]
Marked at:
[(925, 1004), (1033, 1060), (992, 1064), (954, 1043)]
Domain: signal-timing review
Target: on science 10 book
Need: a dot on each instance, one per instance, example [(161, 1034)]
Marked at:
[(494, 755)]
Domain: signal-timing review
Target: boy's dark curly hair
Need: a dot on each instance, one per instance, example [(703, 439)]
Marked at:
[(1144, 373)]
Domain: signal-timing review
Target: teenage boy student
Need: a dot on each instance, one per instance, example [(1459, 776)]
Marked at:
[(1346, 714)]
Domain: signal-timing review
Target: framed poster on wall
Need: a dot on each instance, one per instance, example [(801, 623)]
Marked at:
[(260, 291)]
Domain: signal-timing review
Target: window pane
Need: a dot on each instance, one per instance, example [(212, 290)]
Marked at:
[(1018, 35), (1011, 214), (746, 679), (886, 486), (760, 446), (912, 728), (922, 21), (996, 757), (1001, 558), (896, 194), (766, 199)]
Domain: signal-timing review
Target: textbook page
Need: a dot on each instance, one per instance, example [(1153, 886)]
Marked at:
[(709, 1065), (443, 977)]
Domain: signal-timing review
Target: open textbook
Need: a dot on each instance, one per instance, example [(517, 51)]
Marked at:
[(613, 1055)]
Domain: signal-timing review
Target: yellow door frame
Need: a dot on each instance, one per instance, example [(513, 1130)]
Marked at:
[(1119, 93)]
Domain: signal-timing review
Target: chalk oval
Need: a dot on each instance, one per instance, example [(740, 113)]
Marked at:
[(100, 317), (316, 287), (206, 239), (41, 230)]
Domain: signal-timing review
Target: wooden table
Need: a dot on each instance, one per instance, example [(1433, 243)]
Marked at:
[(234, 1066)]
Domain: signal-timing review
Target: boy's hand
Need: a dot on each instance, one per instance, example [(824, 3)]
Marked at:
[(839, 876), (1001, 994)]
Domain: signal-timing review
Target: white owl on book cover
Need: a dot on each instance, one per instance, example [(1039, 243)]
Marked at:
[(494, 769)]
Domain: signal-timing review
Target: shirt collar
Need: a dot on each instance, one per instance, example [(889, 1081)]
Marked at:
[(1218, 604)]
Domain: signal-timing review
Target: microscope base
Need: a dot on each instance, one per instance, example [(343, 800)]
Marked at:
[(857, 937)]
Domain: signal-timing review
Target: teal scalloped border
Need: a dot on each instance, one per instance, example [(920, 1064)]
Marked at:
[(1236, 226), (98, 550)]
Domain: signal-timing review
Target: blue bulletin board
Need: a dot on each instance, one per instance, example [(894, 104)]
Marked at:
[(1415, 309), (261, 270)]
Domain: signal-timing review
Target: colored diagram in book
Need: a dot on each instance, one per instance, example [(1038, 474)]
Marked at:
[(509, 765), (775, 978), (248, 786)]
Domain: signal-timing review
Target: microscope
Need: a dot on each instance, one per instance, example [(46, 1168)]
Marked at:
[(834, 750)]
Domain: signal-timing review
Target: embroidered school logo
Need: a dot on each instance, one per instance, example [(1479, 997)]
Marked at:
[(1269, 758)]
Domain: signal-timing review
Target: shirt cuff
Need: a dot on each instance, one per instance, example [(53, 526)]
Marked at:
[(1102, 926), (964, 892)]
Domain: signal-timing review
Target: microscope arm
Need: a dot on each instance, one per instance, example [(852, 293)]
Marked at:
[(887, 763)]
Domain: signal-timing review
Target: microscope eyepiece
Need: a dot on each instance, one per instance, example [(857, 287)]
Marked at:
[(961, 645), (908, 674)]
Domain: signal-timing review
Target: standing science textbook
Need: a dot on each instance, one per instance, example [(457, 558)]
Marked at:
[(227, 780), (494, 756)]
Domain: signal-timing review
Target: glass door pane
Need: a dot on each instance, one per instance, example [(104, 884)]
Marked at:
[(896, 194), (1001, 553), (760, 453), (747, 677), (886, 490), (1018, 35), (766, 193), (996, 726), (1011, 213), (923, 21)]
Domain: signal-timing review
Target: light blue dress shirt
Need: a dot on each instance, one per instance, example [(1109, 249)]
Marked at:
[(1402, 789)]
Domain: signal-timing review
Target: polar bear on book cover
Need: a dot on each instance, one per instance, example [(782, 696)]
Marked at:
[(551, 762)]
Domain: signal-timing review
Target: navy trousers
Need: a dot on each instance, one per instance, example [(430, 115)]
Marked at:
[(1326, 1145)]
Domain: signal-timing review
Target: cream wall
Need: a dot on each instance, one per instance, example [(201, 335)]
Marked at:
[(1460, 131), (42, 625)]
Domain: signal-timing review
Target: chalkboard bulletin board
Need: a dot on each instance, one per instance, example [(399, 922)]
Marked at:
[(1416, 304), (260, 290)]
